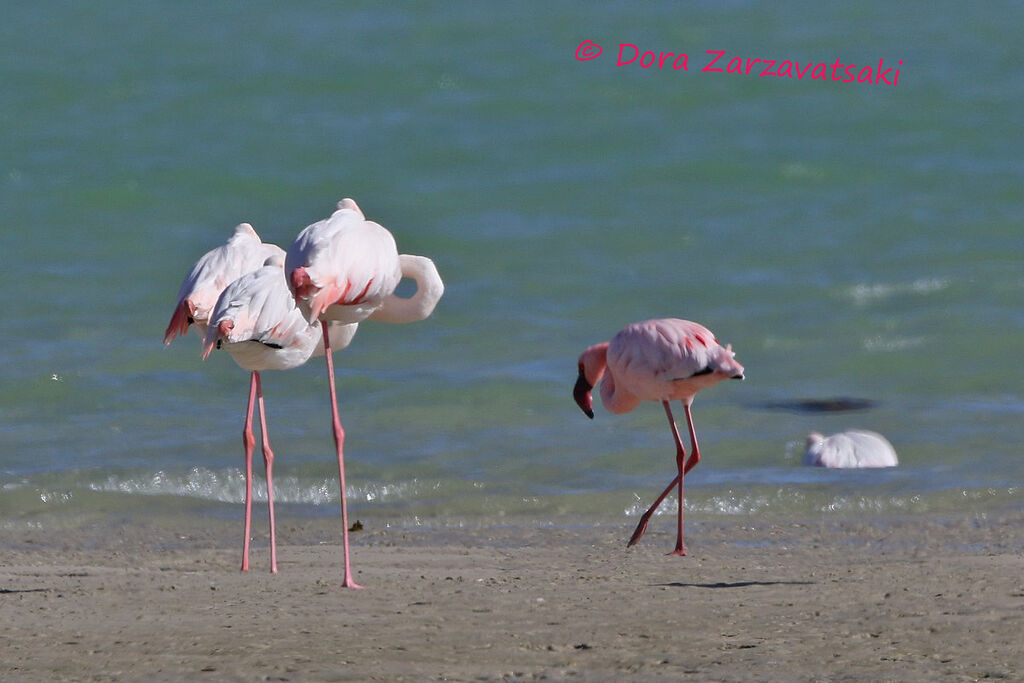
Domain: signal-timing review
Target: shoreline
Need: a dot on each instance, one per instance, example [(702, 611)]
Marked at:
[(918, 598)]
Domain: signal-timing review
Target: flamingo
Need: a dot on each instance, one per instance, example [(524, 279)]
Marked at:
[(215, 270), (662, 360), (345, 269), (256, 321), (199, 292), (852, 448)]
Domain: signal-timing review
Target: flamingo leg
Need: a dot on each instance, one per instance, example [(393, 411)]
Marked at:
[(694, 450), (339, 440), (678, 480), (248, 442), (268, 464), (680, 548)]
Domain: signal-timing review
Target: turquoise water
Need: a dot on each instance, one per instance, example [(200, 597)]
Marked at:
[(849, 239)]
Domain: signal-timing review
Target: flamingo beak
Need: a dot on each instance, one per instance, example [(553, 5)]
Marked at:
[(223, 330), (207, 347), (581, 392)]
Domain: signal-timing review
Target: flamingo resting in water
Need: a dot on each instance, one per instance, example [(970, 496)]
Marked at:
[(662, 360), (345, 269), (256, 321), (849, 449)]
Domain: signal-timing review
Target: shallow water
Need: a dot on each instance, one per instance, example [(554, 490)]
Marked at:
[(849, 239)]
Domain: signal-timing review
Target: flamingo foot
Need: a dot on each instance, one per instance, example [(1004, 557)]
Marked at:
[(349, 583), (641, 528), (680, 550)]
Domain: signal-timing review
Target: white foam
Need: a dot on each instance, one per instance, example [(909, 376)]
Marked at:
[(863, 294), (228, 486)]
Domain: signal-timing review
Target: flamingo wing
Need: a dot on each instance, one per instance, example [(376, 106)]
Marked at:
[(662, 350), (259, 308)]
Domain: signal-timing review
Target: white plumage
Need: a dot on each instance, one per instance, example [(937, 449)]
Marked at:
[(850, 449), (345, 269), (350, 264), (265, 330)]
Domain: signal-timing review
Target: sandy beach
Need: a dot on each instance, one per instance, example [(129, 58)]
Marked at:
[(912, 599)]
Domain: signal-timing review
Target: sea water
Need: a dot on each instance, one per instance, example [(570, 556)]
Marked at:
[(850, 239)]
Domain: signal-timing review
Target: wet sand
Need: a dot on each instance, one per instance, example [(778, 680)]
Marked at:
[(911, 599)]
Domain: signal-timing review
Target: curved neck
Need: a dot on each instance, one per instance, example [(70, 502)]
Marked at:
[(593, 362), (594, 366), (429, 289)]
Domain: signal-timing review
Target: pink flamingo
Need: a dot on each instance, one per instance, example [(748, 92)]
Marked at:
[(215, 270), (656, 360), (345, 269), (256, 321)]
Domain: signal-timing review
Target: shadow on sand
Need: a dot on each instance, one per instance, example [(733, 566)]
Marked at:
[(734, 584)]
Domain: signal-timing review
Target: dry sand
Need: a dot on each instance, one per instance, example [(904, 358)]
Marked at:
[(913, 599)]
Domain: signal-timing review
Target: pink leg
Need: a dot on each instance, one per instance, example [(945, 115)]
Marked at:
[(680, 548), (268, 464), (248, 441), (339, 440), (691, 463)]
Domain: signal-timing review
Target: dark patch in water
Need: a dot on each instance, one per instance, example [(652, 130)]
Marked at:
[(839, 404)]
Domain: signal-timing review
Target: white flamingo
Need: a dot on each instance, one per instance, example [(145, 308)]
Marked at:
[(345, 269), (256, 321), (850, 449)]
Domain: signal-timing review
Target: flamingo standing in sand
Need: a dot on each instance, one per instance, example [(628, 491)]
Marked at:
[(345, 269), (244, 252), (656, 360), (256, 321)]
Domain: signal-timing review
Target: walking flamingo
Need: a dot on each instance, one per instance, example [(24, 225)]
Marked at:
[(346, 268), (256, 321), (656, 360), (852, 448), (215, 270)]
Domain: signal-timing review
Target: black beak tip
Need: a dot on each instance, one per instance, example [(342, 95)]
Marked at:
[(589, 413)]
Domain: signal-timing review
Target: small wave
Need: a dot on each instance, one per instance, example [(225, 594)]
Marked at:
[(888, 344), (228, 486), (783, 501), (863, 294)]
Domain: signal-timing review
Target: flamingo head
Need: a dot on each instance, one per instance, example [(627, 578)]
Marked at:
[(813, 440), (301, 284), (727, 365), (581, 392), (592, 364), (214, 339)]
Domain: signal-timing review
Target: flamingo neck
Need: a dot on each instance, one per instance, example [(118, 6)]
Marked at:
[(429, 288), (593, 363)]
